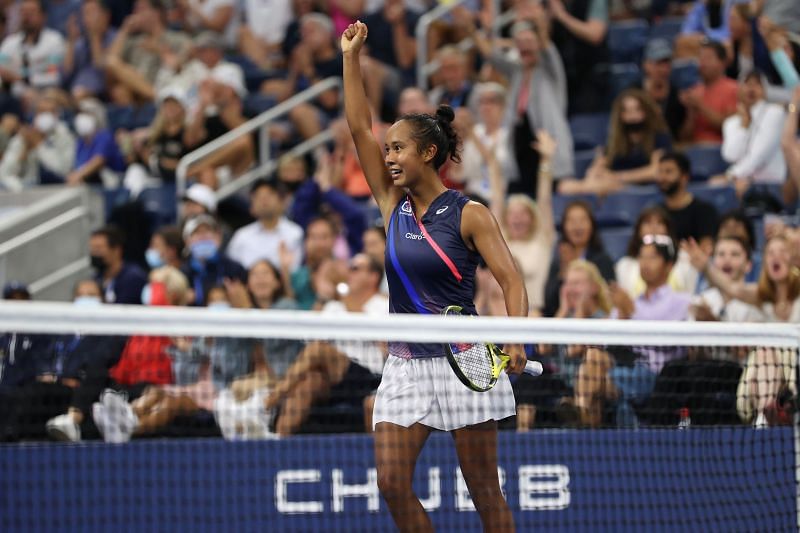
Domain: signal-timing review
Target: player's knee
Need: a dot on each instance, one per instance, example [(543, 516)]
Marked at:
[(393, 484)]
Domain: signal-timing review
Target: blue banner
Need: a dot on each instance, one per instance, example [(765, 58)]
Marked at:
[(726, 479)]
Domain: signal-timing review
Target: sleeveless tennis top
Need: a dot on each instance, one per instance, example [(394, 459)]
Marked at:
[(428, 265)]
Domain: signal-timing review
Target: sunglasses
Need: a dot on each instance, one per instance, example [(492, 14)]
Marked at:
[(660, 240)]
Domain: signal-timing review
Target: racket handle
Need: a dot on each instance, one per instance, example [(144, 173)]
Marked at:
[(534, 368)]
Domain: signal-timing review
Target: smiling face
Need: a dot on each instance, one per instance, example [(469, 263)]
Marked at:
[(402, 156), (578, 287), (527, 44), (262, 281), (520, 222), (731, 258), (578, 227)]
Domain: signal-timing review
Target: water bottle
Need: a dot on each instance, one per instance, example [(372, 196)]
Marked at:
[(685, 421)]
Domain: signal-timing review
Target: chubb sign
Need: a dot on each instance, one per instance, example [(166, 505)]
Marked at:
[(540, 488)]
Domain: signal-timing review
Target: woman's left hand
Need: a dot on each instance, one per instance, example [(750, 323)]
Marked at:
[(518, 359)]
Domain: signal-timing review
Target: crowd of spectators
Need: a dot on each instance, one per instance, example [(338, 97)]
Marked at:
[(113, 95)]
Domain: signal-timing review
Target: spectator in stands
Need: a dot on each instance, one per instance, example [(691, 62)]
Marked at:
[(264, 29), (713, 100), (165, 144), (166, 248), (206, 265), (579, 32), (488, 130), (374, 240), (789, 142), (87, 44), (537, 98), (653, 220), (41, 152), (769, 375), (31, 59), (413, 100), (752, 137), (732, 258), (453, 87), (396, 53), (528, 226), (263, 238), (16, 290), (784, 57), (98, 160), (314, 59), (220, 16), (145, 361), (334, 372), (692, 216), (320, 237), (122, 282), (198, 199), (342, 165), (580, 240), (143, 45), (657, 68), (219, 110)]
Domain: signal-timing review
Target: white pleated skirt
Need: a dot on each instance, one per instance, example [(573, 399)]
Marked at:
[(426, 391)]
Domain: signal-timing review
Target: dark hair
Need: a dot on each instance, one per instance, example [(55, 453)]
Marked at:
[(664, 246), (273, 183), (717, 47), (679, 159), (113, 235), (172, 238), (738, 215), (755, 74), (280, 290), (735, 238), (377, 230), (595, 244), (648, 212), (375, 267), (429, 130)]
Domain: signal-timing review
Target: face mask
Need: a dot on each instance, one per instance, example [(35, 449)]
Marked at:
[(98, 263), (219, 306), (45, 122), (85, 124), (633, 127), (87, 301), (203, 250), (155, 293), (153, 258)]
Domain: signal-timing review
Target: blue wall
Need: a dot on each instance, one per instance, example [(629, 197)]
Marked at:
[(701, 479)]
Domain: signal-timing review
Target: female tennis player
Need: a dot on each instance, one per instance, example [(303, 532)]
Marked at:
[(435, 238)]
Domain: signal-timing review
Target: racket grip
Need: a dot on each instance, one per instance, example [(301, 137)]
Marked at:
[(534, 368)]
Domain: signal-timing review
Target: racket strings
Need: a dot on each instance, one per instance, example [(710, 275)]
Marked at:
[(475, 362)]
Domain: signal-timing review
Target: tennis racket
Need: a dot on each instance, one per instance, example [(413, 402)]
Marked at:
[(479, 365)]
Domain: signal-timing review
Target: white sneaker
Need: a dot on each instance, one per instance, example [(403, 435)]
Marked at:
[(64, 428), (119, 414)]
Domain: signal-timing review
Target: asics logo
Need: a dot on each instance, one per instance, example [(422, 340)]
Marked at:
[(414, 236), (442, 210)]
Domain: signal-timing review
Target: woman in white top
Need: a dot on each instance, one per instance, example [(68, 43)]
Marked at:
[(769, 372), (653, 220)]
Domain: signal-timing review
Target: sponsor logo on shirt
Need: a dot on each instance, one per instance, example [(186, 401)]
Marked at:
[(414, 236), (442, 210), (405, 209)]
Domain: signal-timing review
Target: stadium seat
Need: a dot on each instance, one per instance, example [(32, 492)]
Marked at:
[(706, 161), (589, 130), (255, 104), (724, 198), (616, 241), (254, 76), (583, 159), (120, 117), (626, 40), (667, 28), (621, 209), (624, 76), (160, 202), (112, 198)]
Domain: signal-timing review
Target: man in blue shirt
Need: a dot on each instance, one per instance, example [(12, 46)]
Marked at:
[(122, 282)]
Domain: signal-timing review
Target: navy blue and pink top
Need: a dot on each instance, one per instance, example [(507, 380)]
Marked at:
[(428, 265)]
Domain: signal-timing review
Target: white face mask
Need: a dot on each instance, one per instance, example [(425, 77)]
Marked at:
[(45, 122), (85, 124)]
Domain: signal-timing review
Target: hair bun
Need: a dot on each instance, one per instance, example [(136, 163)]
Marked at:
[(445, 113)]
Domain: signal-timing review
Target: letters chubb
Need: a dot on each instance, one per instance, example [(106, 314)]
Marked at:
[(541, 488)]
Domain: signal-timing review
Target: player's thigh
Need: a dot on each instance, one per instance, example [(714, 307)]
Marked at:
[(396, 451), (476, 447)]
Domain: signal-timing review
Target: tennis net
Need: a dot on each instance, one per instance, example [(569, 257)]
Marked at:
[(178, 418)]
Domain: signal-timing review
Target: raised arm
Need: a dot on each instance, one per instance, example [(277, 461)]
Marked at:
[(789, 142), (359, 120), (546, 146), (745, 292)]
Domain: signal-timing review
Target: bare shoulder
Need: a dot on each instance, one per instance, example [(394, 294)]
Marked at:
[(477, 219)]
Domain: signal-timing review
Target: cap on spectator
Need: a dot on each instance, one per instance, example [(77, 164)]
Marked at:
[(194, 223), (209, 39), (230, 75), (657, 50), (16, 290), (203, 195), (174, 93)]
